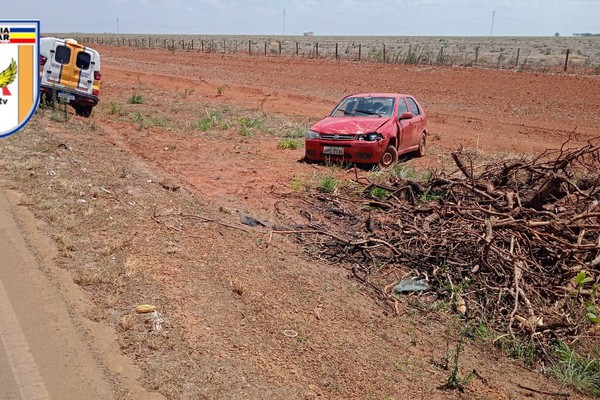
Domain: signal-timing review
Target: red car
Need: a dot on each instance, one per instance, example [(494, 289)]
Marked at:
[(369, 128)]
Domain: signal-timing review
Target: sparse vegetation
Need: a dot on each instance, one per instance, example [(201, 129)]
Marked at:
[(116, 108), (380, 193), (582, 373), (249, 126), (289, 144), (136, 99), (327, 184)]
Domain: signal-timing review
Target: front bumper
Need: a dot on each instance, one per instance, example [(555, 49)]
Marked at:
[(356, 151)]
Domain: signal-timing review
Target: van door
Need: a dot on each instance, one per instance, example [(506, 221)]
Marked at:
[(71, 67)]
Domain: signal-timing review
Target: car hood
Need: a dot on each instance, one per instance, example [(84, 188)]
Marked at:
[(349, 125)]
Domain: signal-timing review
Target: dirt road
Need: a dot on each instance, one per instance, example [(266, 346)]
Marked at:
[(47, 351)]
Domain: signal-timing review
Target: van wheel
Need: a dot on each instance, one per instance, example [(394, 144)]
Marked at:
[(389, 157), (422, 146), (83, 111), (47, 100)]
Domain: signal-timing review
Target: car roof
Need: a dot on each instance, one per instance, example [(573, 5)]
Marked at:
[(378, 95)]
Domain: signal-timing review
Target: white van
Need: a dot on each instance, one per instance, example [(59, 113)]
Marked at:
[(69, 72)]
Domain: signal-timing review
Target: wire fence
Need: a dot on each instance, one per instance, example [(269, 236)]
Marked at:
[(538, 54)]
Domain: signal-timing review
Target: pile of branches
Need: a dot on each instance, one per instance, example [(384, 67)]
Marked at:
[(513, 243)]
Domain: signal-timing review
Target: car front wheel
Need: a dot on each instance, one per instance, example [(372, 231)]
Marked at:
[(389, 157)]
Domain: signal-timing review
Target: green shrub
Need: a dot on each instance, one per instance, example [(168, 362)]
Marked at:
[(116, 108), (251, 123), (136, 99), (379, 193), (327, 184), (288, 144), (572, 369), (204, 124)]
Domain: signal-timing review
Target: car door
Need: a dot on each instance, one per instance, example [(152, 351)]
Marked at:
[(417, 121), (406, 126)]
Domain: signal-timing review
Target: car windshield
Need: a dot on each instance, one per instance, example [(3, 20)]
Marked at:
[(365, 107)]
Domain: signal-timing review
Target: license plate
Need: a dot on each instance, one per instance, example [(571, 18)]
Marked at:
[(66, 96), (333, 150)]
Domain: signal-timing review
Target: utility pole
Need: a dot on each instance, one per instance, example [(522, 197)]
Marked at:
[(493, 17), (117, 25), (283, 22)]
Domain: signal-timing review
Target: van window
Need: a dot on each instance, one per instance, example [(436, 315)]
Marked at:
[(83, 60), (62, 55)]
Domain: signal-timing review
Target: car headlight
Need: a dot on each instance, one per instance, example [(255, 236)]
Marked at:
[(313, 135), (370, 137)]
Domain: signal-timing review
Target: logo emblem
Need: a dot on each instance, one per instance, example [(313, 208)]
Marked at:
[(19, 73), (336, 137)]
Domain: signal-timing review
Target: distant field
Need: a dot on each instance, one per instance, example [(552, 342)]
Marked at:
[(524, 53)]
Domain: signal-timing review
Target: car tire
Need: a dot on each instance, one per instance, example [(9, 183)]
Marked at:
[(389, 157), (47, 100), (83, 111), (422, 146)]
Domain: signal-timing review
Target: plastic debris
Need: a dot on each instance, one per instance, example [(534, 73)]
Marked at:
[(411, 285)]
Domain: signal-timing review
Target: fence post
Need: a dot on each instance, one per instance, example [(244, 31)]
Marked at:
[(296, 48), (265, 47), (518, 53), (149, 42), (567, 60), (476, 54), (279, 47), (249, 47), (192, 44), (336, 51), (173, 44), (129, 41), (202, 45), (384, 53), (359, 51), (224, 46), (317, 49)]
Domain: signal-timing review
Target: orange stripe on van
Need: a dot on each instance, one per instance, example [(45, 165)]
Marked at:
[(25, 81)]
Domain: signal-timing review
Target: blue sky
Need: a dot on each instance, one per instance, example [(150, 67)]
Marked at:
[(323, 17)]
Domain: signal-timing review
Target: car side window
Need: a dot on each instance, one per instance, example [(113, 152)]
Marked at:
[(402, 108), (62, 55), (83, 60), (414, 108)]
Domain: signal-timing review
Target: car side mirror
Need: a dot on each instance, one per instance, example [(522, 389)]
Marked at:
[(406, 115)]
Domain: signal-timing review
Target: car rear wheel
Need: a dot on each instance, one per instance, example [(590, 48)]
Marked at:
[(422, 146), (389, 157)]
